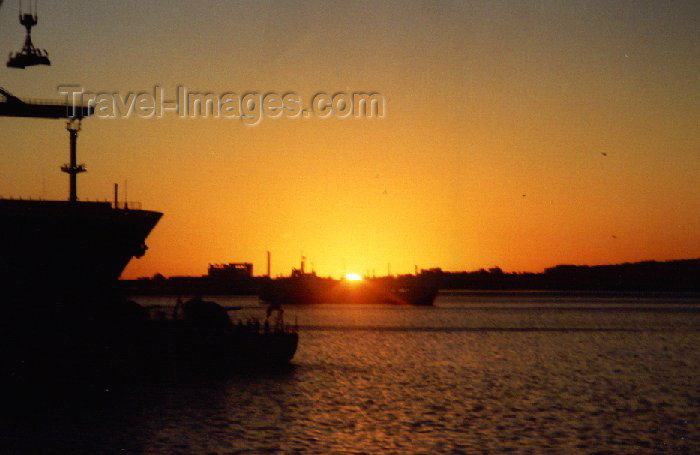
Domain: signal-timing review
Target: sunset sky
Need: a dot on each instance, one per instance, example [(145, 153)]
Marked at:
[(517, 134)]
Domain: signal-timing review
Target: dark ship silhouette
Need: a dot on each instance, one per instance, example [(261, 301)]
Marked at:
[(65, 321), (70, 248), (308, 288), (64, 312)]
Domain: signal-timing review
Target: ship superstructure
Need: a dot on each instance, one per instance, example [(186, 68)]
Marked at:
[(66, 247), (63, 248)]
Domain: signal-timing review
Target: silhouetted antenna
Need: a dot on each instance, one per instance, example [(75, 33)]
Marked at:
[(73, 169)]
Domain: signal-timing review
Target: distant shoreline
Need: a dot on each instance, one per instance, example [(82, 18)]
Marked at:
[(648, 277)]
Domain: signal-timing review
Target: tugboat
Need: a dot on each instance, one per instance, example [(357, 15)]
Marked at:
[(204, 334), (198, 336)]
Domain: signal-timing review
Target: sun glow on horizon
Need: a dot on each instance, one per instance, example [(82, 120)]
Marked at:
[(353, 277), (551, 138)]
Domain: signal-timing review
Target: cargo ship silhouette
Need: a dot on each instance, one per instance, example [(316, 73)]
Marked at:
[(70, 247), (64, 317), (308, 288)]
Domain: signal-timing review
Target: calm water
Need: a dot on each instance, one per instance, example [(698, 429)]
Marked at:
[(521, 372)]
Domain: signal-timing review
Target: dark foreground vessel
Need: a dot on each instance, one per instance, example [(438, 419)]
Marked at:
[(64, 316), (68, 248), (65, 249), (200, 334), (64, 320), (110, 342)]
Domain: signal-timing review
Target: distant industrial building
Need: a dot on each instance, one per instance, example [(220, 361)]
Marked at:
[(221, 279), (230, 271)]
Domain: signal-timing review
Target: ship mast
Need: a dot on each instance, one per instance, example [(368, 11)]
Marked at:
[(73, 169), (11, 106)]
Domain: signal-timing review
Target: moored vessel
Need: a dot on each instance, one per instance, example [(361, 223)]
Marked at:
[(68, 248), (64, 319)]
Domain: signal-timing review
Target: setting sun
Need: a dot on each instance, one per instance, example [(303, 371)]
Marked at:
[(514, 183)]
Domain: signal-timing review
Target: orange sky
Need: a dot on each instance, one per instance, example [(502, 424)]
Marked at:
[(490, 153)]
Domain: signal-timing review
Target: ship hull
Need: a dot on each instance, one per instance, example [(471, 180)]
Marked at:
[(62, 248)]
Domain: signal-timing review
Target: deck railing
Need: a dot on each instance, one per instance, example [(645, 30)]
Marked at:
[(122, 205), (42, 102), (126, 205)]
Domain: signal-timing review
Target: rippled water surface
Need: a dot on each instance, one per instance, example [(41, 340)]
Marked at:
[(518, 372)]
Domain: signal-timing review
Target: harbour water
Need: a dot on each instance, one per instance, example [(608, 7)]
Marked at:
[(524, 372)]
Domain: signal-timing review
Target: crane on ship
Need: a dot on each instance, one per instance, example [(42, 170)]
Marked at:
[(29, 55), (12, 106)]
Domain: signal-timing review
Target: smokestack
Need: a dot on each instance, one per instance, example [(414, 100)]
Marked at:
[(116, 195), (268, 264)]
